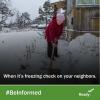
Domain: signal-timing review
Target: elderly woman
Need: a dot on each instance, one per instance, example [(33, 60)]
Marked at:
[(53, 32)]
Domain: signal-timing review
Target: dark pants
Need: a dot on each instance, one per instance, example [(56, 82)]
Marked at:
[(50, 48)]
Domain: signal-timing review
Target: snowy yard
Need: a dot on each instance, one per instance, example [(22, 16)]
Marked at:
[(28, 49)]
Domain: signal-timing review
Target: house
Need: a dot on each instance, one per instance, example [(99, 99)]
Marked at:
[(59, 4), (83, 16)]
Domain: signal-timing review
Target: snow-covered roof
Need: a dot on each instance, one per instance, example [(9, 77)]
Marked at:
[(61, 10), (52, 1)]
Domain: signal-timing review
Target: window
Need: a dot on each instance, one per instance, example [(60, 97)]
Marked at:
[(87, 2), (97, 2)]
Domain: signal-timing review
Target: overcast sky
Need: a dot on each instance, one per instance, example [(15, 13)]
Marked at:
[(30, 6)]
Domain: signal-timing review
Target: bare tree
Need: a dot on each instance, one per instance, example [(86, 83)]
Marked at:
[(46, 12), (5, 12), (23, 20)]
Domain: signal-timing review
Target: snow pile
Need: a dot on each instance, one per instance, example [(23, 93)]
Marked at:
[(84, 51)]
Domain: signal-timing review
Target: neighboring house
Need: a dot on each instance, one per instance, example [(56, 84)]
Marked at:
[(59, 4), (83, 15)]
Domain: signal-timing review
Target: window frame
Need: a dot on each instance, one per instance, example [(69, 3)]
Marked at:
[(79, 4)]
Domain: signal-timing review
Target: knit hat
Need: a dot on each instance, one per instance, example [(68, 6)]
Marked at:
[(60, 18)]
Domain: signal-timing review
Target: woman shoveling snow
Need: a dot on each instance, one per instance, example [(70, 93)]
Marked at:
[(52, 34)]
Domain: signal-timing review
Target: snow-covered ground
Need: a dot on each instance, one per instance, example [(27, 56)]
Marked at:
[(28, 48), (84, 53)]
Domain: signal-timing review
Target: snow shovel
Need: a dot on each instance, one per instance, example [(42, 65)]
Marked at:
[(52, 70), (50, 65), (51, 59)]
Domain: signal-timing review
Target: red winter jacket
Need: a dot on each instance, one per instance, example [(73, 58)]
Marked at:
[(53, 30)]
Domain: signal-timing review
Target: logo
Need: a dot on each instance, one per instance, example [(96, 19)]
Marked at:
[(86, 94)]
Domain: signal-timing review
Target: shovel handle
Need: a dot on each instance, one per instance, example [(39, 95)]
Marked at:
[(51, 60)]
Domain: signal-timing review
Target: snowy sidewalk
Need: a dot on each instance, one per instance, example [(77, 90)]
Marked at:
[(28, 49)]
